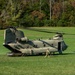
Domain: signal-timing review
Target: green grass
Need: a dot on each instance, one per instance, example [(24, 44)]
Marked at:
[(39, 65)]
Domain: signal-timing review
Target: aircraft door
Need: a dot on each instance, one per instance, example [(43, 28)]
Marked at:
[(60, 47)]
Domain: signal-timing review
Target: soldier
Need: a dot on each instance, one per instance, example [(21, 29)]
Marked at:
[(47, 53)]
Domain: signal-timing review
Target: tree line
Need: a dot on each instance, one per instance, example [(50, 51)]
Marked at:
[(37, 13)]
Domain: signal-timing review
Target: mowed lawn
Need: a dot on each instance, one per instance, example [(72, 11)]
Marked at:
[(39, 65)]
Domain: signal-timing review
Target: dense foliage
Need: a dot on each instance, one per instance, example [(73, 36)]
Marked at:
[(29, 13)]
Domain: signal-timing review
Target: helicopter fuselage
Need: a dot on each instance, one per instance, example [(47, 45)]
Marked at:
[(18, 44)]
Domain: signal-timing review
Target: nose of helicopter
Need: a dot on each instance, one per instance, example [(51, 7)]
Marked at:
[(64, 46)]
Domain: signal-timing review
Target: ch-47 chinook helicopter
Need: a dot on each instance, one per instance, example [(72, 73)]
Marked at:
[(18, 44)]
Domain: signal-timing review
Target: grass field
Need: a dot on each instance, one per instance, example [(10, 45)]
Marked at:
[(39, 65)]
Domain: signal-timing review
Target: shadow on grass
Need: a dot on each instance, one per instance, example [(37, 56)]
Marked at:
[(66, 54), (57, 54)]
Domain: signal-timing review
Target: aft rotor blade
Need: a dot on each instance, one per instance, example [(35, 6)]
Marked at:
[(40, 30)]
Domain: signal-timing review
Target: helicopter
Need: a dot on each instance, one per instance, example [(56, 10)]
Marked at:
[(20, 45)]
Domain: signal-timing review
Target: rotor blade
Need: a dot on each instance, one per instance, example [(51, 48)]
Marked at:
[(40, 30), (67, 34)]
